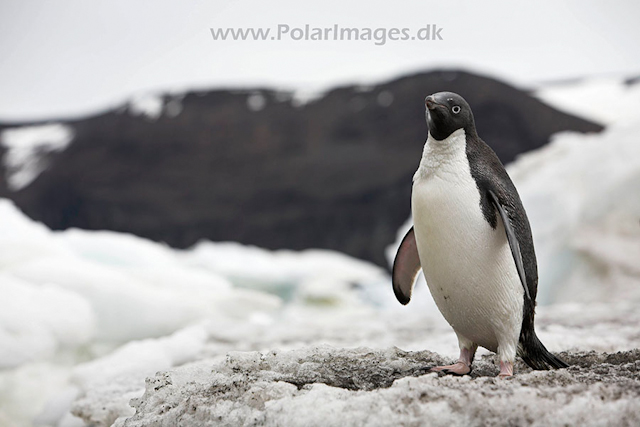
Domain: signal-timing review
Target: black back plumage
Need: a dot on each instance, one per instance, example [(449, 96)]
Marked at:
[(490, 175)]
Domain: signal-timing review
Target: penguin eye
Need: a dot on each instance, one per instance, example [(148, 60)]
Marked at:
[(456, 109)]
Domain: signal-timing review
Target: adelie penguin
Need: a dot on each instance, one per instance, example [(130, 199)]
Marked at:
[(472, 239)]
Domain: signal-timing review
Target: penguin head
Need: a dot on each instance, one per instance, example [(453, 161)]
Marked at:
[(446, 113)]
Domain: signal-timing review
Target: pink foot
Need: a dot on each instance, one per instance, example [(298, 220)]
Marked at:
[(463, 366), (506, 369), (459, 368)]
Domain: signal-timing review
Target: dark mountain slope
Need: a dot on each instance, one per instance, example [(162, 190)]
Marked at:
[(334, 173)]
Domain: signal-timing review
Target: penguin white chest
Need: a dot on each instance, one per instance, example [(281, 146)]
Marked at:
[(467, 264)]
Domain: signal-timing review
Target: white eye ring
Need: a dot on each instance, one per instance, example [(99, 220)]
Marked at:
[(456, 109)]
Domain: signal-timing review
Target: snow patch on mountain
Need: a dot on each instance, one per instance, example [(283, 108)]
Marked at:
[(28, 148)]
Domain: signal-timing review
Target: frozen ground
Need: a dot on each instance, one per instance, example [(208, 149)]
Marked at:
[(100, 328), (325, 386), (267, 374)]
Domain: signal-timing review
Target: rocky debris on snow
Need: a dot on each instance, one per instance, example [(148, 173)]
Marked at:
[(326, 386)]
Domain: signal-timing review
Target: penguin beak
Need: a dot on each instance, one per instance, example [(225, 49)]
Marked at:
[(430, 102)]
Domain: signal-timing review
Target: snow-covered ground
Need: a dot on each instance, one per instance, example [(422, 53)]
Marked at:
[(307, 338), (81, 309)]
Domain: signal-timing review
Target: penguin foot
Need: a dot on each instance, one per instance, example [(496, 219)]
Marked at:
[(506, 369), (459, 368)]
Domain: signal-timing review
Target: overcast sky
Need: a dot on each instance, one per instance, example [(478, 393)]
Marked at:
[(74, 57)]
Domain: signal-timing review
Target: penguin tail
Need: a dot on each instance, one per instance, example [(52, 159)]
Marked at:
[(536, 355)]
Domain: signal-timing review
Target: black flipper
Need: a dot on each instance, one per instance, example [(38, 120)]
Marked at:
[(406, 267), (498, 194), (513, 242), (531, 349)]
